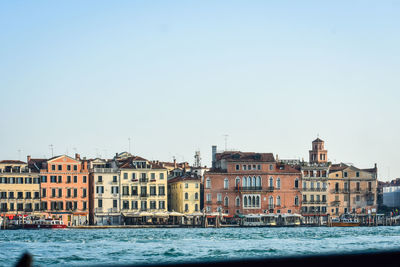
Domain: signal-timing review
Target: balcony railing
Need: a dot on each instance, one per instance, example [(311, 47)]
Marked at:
[(248, 188), (270, 189), (314, 189), (104, 170), (335, 203), (143, 180)]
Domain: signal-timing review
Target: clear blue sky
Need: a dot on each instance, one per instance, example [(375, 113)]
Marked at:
[(177, 75)]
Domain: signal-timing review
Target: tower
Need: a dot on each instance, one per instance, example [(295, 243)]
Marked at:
[(318, 154)]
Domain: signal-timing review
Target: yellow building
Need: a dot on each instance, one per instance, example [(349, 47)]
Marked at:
[(352, 190), (184, 193), (19, 188), (143, 186)]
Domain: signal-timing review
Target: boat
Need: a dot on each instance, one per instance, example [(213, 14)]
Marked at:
[(258, 220), (345, 221), (34, 223)]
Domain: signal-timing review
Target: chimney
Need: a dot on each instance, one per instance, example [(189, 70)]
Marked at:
[(28, 158), (77, 156), (214, 152), (174, 163)]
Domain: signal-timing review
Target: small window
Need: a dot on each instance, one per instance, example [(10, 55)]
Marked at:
[(237, 167), (271, 167)]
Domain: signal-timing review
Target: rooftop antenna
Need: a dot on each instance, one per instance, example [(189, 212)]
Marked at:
[(19, 154), (226, 141), (52, 150)]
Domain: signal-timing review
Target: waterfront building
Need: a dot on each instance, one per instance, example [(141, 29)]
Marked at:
[(143, 187), (174, 166), (105, 191), (315, 183), (352, 190), (251, 183), (184, 193), (65, 189), (19, 188)]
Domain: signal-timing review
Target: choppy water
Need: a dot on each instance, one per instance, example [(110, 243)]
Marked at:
[(143, 246)]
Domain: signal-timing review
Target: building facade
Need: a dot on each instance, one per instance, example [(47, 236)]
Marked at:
[(184, 193), (19, 188), (352, 190), (143, 187), (105, 192), (251, 183), (65, 189)]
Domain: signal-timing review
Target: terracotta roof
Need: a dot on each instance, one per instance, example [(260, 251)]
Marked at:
[(127, 163), (185, 177), (237, 156), (12, 162), (286, 168), (338, 167), (318, 140)]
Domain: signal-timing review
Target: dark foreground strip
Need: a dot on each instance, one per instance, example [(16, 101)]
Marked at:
[(376, 259)]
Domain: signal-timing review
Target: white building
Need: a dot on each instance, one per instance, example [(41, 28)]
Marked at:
[(391, 196)]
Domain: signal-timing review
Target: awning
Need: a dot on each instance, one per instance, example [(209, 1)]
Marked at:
[(160, 214), (194, 214), (174, 213)]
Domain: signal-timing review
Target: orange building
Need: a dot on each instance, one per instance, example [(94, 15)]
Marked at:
[(65, 189)]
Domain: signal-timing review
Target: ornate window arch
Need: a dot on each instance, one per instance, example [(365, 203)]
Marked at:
[(271, 182), (278, 200), (259, 181), (278, 182), (237, 201), (226, 201)]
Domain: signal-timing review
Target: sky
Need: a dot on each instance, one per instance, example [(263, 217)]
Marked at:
[(176, 76)]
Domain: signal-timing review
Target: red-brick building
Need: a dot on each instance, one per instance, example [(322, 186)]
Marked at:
[(251, 183)]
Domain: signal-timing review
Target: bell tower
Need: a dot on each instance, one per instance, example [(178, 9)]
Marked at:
[(318, 154)]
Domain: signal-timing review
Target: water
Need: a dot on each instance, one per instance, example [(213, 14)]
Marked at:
[(149, 246)]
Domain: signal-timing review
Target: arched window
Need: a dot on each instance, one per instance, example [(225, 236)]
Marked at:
[(226, 201), (244, 183), (226, 183), (258, 181), (186, 207), (271, 182), (245, 201), (186, 196), (257, 201), (249, 181), (271, 202), (237, 182), (237, 202), (196, 207), (278, 200), (296, 200), (196, 195), (278, 183), (208, 183), (296, 183), (254, 181), (254, 201)]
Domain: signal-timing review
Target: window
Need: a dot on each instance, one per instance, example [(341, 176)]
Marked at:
[(143, 191), (69, 192), (125, 205), (43, 192), (259, 167), (84, 179), (237, 201), (68, 179), (114, 178), (345, 174), (152, 205), (186, 185), (59, 179), (161, 204), (219, 197), (161, 190), (53, 167), (208, 198), (161, 176), (152, 176), (152, 190), (59, 167), (143, 205), (186, 207), (100, 203), (84, 192), (278, 183), (134, 204), (75, 167), (208, 183), (296, 183), (125, 190), (75, 192), (76, 179), (196, 207), (68, 167), (59, 192), (244, 183), (278, 200), (196, 185), (226, 201), (99, 189), (271, 182), (196, 196), (271, 202), (186, 196), (226, 183), (271, 167), (358, 186), (114, 190), (258, 184), (125, 175), (296, 200), (134, 190), (357, 174), (237, 167)]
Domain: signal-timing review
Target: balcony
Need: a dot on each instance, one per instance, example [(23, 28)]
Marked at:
[(28, 210), (248, 188), (3, 209), (143, 209), (219, 202), (143, 180), (104, 170), (143, 195), (270, 189), (335, 203)]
